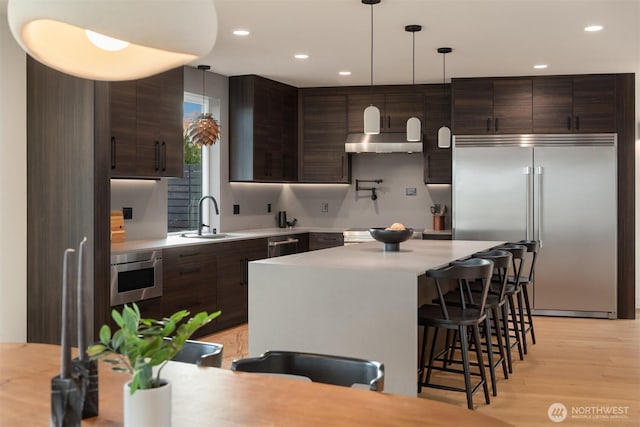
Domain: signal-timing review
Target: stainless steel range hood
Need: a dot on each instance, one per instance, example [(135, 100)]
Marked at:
[(390, 142)]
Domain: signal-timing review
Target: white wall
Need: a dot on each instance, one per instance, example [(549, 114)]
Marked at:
[(13, 187)]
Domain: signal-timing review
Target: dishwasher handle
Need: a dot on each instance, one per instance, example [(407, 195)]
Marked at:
[(283, 242)]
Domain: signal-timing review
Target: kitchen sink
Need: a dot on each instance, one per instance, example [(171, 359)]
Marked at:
[(205, 235)]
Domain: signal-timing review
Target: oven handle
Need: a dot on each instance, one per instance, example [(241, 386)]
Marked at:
[(283, 242)]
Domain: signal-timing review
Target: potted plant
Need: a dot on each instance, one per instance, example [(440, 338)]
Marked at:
[(143, 346)]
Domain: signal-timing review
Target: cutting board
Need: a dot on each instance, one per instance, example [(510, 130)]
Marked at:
[(117, 227)]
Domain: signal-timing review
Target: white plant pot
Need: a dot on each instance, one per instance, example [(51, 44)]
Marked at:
[(147, 408)]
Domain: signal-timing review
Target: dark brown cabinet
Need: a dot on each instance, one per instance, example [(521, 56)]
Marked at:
[(233, 278), (325, 240), (323, 133), (574, 104), (262, 131), (395, 108), (146, 126), (488, 106), (437, 161)]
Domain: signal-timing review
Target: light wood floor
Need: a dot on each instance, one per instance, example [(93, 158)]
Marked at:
[(585, 364)]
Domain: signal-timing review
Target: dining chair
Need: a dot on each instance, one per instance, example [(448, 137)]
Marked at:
[(322, 368), (200, 353)]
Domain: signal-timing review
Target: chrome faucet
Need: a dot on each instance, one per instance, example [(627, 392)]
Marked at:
[(200, 220)]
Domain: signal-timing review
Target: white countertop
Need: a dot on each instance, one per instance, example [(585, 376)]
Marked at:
[(415, 256), (175, 240)]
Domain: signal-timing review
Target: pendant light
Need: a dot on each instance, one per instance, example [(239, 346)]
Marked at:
[(444, 133), (413, 124), (371, 113), (113, 39), (204, 130)]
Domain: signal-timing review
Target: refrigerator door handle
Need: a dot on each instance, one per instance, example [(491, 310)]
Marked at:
[(527, 191), (538, 204)]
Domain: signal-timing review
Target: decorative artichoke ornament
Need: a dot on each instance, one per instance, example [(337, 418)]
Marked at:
[(204, 130)]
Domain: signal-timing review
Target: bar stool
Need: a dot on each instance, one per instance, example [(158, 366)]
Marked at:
[(461, 319), (512, 291), (495, 321), (526, 324)]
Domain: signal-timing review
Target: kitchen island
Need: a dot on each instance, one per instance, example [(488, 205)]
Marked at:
[(354, 300)]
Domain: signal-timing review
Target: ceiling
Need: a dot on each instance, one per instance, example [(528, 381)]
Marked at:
[(489, 38)]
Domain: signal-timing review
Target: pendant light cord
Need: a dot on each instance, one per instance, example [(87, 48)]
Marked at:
[(203, 71), (371, 85), (443, 67), (414, 57)]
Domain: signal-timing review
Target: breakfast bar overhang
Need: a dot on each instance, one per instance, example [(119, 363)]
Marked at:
[(355, 300)]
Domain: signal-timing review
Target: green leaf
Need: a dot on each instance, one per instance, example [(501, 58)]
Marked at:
[(117, 317), (96, 350), (105, 334), (112, 361)]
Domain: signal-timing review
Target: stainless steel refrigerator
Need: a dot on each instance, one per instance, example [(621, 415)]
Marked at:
[(559, 189)]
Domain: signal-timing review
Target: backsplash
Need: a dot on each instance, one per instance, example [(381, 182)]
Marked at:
[(148, 198)]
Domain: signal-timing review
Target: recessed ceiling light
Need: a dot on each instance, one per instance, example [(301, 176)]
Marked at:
[(241, 32), (301, 56), (540, 66), (592, 28), (344, 73)]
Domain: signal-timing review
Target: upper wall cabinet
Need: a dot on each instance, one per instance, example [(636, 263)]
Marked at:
[(487, 106), (146, 126), (323, 133), (396, 107), (262, 130), (574, 104), (437, 107)]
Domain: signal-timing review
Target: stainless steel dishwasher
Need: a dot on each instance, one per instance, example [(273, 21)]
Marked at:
[(282, 245)]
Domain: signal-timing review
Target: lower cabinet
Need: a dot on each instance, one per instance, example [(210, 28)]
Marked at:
[(325, 240), (190, 281), (233, 278)]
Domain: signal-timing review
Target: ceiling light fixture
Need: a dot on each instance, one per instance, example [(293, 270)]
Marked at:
[(540, 66), (444, 133), (413, 123), (241, 33), (371, 113), (204, 130), (344, 73), (170, 34), (593, 28), (301, 56)]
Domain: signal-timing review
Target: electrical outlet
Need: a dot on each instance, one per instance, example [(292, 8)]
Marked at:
[(127, 213), (236, 209), (410, 191), (324, 207), (268, 207)]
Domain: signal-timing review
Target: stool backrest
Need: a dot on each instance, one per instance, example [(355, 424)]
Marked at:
[(322, 368), (519, 254), (533, 247), (502, 260), (463, 272)]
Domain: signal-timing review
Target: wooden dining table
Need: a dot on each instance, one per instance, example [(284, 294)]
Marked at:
[(219, 397)]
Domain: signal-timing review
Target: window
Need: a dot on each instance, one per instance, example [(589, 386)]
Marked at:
[(184, 193)]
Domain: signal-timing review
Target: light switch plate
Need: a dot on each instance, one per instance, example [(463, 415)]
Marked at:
[(410, 191)]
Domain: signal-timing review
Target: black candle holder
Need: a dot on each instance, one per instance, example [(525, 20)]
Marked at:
[(66, 402), (86, 372)]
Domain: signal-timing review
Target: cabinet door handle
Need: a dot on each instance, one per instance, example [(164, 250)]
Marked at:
[(244, 266), (488, 124), (381, 121), (164, 156), (188, 255), (157, 152), (189, 271), (568, 122), (389, 122), (577, 123), (113, 152), (495, 127)]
